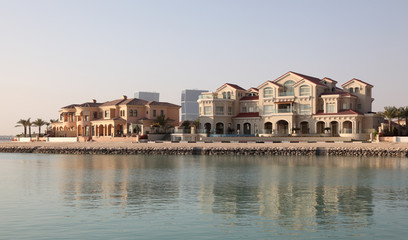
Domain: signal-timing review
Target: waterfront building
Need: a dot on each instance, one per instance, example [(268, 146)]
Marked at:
[(120, 117), (293, 104), (189, 104), (148, 96)]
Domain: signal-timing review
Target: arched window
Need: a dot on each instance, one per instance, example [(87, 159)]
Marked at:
[(288, 88), (268, 92), (356, 90), (224, 95), (304, 90), (229, 95), (135, 113), (131, 113)]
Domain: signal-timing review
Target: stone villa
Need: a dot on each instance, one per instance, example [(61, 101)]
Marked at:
[(294, 104)]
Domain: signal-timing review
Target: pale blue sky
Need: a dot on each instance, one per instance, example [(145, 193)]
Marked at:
[(54, 53)]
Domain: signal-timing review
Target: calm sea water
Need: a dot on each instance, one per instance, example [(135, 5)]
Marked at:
[(202, 197)]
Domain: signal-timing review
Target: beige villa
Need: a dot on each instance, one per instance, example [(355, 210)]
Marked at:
[(293, 104), (120, 117)]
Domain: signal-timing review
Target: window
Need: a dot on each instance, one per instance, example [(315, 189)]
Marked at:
[(131, 113), (351, 90), (268, 109), (330, 108), (288, 88), (219, 110), (304, 90), (86, 118), (207, 110), (161, 113), (154, 113), (268, 92), (224, 95), (356, 90), (229, 95), (251, 109), (107, 113), (134, 113), (229, 110), (305, 109), (95, 115), (344, 105), (244, 109)]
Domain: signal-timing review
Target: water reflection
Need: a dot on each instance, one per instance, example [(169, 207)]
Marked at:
[(297, 193)]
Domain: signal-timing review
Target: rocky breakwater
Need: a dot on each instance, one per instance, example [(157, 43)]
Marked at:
[(367, 152), (165, 150)]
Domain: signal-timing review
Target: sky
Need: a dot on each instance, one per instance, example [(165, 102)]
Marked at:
[(55, 53)]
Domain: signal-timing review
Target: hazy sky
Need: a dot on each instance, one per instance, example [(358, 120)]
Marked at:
[(54, 53)]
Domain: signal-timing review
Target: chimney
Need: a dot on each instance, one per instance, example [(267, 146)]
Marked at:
[(124, 97), (94, 100)]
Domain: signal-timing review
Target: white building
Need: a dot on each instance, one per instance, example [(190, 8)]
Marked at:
[(148, 96), (189, 104)]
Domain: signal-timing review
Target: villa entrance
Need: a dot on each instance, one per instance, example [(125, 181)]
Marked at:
[(334, 128), (320, 127), (347, 127), (268, 128), (283, 127), (207, 128), (304, 128), (219, 128), (247, 128)]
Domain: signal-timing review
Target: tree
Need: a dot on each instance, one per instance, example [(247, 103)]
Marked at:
[(399, 115), (389, 113), (196, 123), (23, 123), (162, 121), (39, 123), (29, 124), (405, 116)]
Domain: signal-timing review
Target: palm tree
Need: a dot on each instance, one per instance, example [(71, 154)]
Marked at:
[(29, 124), (23, 123), (405, 116), (389, 113), (39, 123), (399, 115)]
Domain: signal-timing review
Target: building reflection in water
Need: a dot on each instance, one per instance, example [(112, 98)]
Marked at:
[(298, 193)]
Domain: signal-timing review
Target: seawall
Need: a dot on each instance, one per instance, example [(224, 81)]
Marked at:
[(288, 149)]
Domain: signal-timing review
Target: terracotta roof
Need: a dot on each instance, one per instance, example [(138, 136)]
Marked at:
[(89, 104), (249, 98), (247, 115), (344, 112), (254, 88), (309, 78), (134, 101), (358, 80), (269, 81), (231, 85), (71, 106), (113, 103), (153, 103)]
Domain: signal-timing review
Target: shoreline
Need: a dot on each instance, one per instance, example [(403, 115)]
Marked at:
[(382, 149)]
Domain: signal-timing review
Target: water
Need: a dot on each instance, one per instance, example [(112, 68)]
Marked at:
[(201, 197)]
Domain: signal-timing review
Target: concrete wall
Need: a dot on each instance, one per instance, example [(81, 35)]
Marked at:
[(62, 139)]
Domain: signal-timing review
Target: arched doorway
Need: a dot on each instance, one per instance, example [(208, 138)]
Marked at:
[(320, 127), (109, 130), (347, 127), (219, 128), (247, 128), (304, 128), (79, 130), (207, 128), (268, 128), (283, 127), (334, 128)]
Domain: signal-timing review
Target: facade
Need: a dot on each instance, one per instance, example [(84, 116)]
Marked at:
[(148, 96), (292, 104), (120, 117), (189, 104)]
